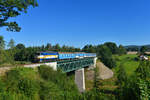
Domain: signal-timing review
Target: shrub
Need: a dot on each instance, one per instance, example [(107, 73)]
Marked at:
[(136, 59), (21, 81), (62, 83)]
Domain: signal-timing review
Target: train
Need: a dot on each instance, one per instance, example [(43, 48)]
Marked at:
[(53, 56)]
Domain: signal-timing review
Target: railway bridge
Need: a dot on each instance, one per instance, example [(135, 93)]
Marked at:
[(76, 65)]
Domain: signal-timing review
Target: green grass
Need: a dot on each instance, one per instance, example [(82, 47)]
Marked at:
[(128, 62)]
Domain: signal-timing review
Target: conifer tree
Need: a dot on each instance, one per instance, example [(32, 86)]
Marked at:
[(2, 43), (96, 79), (11, 44)]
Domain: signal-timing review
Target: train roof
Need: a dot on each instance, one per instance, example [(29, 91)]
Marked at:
[(63, 52), (71, 52), (46, 52)]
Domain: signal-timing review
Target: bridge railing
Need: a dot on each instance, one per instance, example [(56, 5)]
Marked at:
[(74, 64)]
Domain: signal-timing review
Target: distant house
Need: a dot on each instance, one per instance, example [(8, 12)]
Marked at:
[(132, 52), (148, 53)]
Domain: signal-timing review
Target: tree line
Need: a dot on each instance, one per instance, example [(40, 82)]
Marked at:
[(20, 52), (142, 49)]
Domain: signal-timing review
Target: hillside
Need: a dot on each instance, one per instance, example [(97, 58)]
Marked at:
[(137, 46)]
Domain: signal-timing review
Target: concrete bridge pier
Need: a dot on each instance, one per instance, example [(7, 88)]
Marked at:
[(95, 59), (80, 79), (94, 65)]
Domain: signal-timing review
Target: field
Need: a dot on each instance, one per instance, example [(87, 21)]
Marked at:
[(128, 61)]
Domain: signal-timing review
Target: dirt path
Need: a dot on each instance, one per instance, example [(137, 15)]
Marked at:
[(105, 72), (4, 69)]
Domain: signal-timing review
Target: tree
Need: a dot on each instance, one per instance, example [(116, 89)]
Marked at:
[(112, 46), (122, 50), (13, 8), (142, 82), (122, 76), (143, 49), (2, 43), (89, 48), (57, 47), (11, 44), (143, 70), (64, 48), (105, 55), (20, 46), (121, 81), (48, 46), (96, 79), (136, 87)]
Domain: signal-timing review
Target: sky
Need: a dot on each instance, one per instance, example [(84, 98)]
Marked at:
[(80, 22)]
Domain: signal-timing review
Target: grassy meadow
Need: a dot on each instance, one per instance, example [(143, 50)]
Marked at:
[(129, 62)]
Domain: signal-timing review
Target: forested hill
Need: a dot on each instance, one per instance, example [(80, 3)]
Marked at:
[(136, 47)]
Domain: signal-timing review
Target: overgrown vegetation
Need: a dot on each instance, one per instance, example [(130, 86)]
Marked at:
[(43, 84), (137, 86)]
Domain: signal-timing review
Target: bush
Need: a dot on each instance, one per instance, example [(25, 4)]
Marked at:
[(136, 59), (137, 87), (6, 57), (49, 90), (66, 85), (21, 83)]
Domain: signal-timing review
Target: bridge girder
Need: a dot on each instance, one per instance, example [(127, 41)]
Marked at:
[(74, 64)]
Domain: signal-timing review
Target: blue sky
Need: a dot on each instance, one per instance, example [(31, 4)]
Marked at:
[(80, 22)]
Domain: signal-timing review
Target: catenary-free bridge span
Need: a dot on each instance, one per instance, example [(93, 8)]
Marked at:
[(75, 64), (68, 65)]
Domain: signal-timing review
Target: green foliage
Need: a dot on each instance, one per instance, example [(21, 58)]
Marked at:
[(6, 57), (89, 48), (129, 63), (143, 70), (2, 43), (122, 76), (20, 83), (13, 8), (11, 44), (20, 46), (143, 49), (94, 95), (105, 55), (137, 87), (96, 79), (144, 89), (25, 84), (121, 81), (65, 85), (113, 47), (49, 90), (122, 50)]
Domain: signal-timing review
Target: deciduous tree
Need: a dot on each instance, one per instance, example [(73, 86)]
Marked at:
[(13, 8)]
